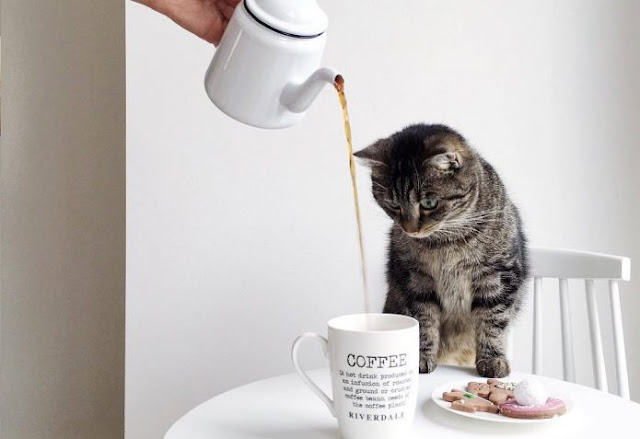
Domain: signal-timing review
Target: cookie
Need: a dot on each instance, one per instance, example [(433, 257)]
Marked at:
[(495, 383), (551, 408), (500, 396), (494, 390), (480, 389), (452, 396), (468, 402)]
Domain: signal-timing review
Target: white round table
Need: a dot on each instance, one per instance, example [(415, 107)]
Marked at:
[(283, 407)]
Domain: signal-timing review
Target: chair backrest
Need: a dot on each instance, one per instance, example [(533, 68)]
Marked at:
[(590, 267)]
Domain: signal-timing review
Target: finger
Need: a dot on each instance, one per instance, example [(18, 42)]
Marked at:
[(153, 4), (227, 8), (232, 3), (227, 12)]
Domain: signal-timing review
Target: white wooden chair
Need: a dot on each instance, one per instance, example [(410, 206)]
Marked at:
[(590, 267)]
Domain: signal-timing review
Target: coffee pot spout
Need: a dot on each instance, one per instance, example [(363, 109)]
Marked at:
[(299, 97)]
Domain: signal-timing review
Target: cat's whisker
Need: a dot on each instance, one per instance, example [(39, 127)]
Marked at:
[(478, 215), (473, 220), (463, 230), (370, 162), (470, 220), (443, 234), (464, 223), (379, 185), (458, 224)]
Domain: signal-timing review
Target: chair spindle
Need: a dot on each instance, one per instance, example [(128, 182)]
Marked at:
[(537, 326), (618, 339), (596, 339), (568, 361)]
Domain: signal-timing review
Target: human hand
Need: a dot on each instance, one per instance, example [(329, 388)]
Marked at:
[(205, 18)]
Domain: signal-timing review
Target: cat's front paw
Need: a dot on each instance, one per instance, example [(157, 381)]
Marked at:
[(427, 364), (497, 367)]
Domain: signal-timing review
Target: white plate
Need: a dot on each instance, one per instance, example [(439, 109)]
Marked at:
[(462, 385)]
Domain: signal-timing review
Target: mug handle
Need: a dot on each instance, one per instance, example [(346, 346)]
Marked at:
[(313, 386)]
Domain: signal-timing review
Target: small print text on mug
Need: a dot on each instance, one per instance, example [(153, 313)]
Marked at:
[(376, 389)]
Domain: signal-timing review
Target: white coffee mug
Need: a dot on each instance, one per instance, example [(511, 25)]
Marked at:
[(374, 366)]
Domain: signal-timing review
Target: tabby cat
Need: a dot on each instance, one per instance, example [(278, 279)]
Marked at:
[(457, 255)]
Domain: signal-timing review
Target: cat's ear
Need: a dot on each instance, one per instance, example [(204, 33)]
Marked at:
[(374, 156), (449, 154), (446, 161)]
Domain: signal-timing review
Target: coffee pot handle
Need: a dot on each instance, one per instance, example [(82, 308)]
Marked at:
[(303, 375)]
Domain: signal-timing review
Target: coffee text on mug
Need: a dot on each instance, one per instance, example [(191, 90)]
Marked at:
[(378, 362)]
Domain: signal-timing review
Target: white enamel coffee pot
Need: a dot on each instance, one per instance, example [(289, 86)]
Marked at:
[(266, 71)]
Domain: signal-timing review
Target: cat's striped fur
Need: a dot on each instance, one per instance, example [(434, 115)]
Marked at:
[(458, 268)]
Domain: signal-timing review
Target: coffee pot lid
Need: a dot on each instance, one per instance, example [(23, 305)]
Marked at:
[(299, 18)]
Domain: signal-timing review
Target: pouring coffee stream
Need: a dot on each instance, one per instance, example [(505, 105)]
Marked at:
[(339, 85), (266, 73)]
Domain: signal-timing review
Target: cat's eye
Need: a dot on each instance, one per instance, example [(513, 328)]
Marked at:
[(393, 205), (429, 203)]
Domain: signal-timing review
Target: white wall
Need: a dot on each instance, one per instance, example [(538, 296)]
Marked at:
[(62, 220), (239, 239)]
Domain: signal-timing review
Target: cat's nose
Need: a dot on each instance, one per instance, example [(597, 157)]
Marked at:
[(409, 226)]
